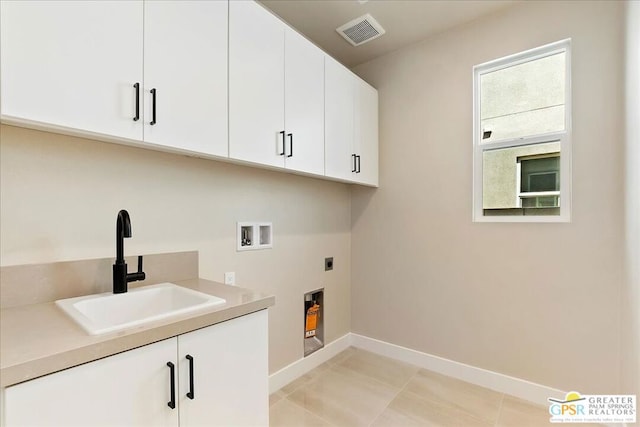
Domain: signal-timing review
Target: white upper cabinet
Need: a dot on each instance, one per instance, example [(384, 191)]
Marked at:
[(340, 160), (351, 126), (79, 65), (304, 104), (214, 78), (366, 133), (276, 95), (185, 75), (256, 85), (72, 64)]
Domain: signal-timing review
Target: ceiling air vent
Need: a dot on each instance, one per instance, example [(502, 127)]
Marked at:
[(361, 30)]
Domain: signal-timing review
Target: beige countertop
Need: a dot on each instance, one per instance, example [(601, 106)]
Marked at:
[(40, 339)]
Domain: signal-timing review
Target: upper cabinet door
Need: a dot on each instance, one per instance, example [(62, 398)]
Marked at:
[(256, 84), (72, 64), (304, 104), (185, 65), (366, 133), (340, 159)]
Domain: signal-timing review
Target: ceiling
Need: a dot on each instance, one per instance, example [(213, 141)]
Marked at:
[(405, 21)]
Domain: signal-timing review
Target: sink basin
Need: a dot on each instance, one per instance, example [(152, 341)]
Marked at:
[(108, 312)]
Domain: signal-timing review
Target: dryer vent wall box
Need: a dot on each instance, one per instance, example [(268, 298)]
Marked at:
[(254, 235)]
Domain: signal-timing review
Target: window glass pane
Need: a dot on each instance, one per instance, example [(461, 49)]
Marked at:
[(510, 173), (541, 202), (540, 174), (523, 100)]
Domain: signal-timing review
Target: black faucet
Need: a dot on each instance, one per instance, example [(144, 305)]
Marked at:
[(120, 275)]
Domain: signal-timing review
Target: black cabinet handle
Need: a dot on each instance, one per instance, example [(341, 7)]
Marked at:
[(283, 142), (137, 88), (172, 369), (290, 145), (353, 156), (358, 168), (191, 394), (153, 106)]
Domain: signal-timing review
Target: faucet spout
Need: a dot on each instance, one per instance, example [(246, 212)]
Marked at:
[(123, 229), (120, 275)]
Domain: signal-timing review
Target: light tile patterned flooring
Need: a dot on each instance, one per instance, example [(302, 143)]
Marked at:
[(358, 388)]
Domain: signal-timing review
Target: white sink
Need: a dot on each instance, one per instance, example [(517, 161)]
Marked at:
[(109, 312)]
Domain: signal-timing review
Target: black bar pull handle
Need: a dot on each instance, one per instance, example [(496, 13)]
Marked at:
[(290, 145), (283, 143), (191, 394), (353, 156), (172, 371), (137, 88), (358, 158), (153, 106)]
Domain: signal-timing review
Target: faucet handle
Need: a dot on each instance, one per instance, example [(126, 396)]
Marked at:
[(139, 275)]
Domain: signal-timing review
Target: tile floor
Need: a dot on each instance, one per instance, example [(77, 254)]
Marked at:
[(358, 388)]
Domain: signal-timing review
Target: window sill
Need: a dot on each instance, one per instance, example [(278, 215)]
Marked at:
[(522, 215)]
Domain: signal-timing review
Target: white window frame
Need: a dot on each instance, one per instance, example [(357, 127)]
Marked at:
[(563, 137)]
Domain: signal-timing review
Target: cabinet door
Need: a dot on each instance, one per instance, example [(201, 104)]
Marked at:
[(230, 373), (304, 104), (72, 64), (128, 389), (256, 84), (366, 133), (185, 61), (339, 121)]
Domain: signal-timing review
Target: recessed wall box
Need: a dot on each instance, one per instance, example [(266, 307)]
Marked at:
[(246, 235), (254, 235), (265, 235), (313, 321), (328, 264)]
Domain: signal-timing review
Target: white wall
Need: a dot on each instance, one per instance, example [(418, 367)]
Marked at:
[(535, 301), (59, 197), (631, 293)]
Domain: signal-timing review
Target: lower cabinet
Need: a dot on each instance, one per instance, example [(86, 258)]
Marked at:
[(215, 376), (130, 388), (230, 373)]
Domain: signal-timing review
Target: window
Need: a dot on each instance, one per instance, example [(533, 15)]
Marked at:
[(539, 185), (522, 137)]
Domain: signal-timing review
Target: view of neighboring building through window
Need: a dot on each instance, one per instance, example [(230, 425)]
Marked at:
[(522, 136), (539, 181)]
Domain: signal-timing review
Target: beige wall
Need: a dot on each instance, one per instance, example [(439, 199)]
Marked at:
[(59, 198), (536, 301), (631, 292)]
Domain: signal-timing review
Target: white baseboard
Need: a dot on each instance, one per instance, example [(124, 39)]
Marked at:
[(523, 389), (513, 386), (289, 373)]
